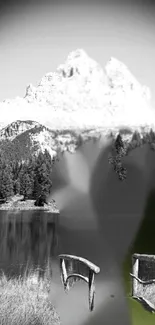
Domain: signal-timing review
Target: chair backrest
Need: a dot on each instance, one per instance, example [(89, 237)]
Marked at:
[(93, 269)]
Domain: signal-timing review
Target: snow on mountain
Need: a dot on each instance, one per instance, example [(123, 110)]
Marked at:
[(120, 77), (78, 102), (82, 95), (22, 139), (16, 128), (1, 125)]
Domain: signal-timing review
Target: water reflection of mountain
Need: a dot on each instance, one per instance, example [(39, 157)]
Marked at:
[(26, 237)]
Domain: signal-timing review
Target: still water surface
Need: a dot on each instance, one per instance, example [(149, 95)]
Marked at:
[(26, 238), (30, 238)]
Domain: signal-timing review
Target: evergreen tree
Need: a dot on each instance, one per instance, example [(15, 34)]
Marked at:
[(25, 180), (43, 177), (152, 135), (37, 189), (27, 187), (79, 141), (2, 162), (119, 144), (136, 138), (17, 186), (15, 166), (133, 144), (146, 138), (33, 178), (20, 178), (6, 182)]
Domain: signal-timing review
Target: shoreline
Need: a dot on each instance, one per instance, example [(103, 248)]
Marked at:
[(16, 204), (29, 209)]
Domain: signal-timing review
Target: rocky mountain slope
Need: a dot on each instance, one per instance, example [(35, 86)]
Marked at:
[(82, 95), (78, 102), (21, 140), (16, 128)]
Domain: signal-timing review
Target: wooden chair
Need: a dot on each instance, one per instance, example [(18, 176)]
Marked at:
[(90, 279)]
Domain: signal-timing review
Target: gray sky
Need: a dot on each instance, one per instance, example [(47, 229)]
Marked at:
[(35, 37)]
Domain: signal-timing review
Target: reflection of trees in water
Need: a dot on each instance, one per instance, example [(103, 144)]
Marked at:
[(27, 238)]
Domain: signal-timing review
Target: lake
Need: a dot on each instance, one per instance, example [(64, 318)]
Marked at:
[(103, 235), (26, 237), (31, 237)]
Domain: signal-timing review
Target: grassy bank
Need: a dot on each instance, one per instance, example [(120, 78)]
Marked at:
[(24, 300)]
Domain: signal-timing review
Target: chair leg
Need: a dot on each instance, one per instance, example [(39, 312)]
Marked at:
[(91, 285), (63, 273)]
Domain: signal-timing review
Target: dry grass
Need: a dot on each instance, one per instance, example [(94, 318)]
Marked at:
[(24, 300)]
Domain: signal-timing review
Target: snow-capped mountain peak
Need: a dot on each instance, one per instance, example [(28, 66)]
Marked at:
[(119, 76), (79, 63), (82, 95)]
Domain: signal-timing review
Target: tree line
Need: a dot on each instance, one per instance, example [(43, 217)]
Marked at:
[(31, 178)]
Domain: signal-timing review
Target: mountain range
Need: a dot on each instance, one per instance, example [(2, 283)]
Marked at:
[(82, 95), (78, 102)]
